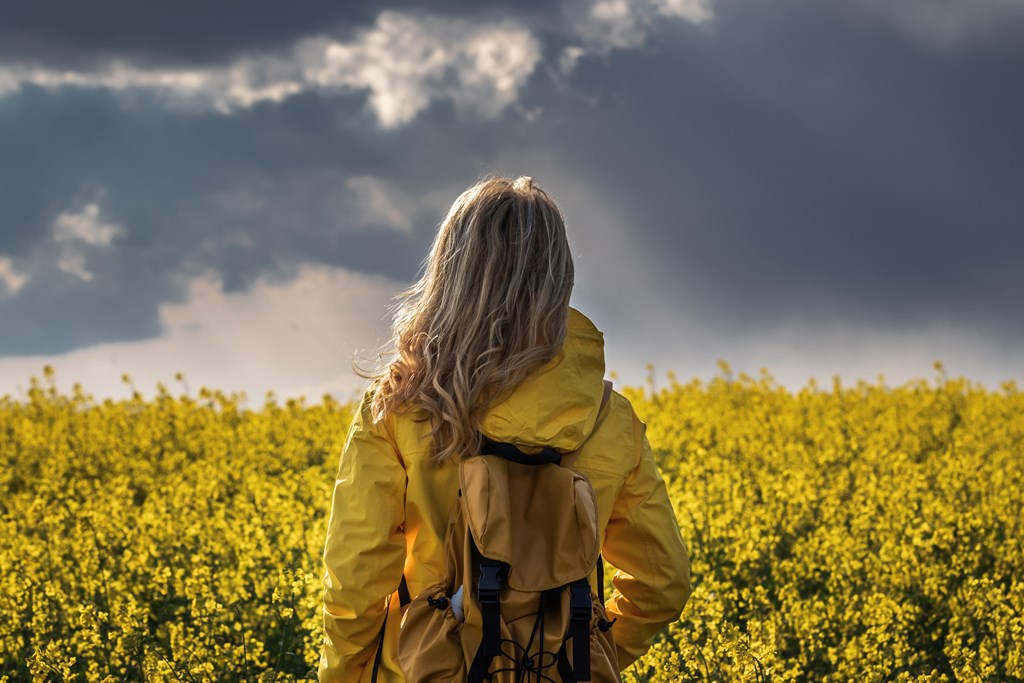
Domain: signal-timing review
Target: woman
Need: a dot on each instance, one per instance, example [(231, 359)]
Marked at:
[(487, 345)]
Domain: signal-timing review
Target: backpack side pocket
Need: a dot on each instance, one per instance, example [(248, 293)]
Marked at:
[(429, 647), (604, 663)]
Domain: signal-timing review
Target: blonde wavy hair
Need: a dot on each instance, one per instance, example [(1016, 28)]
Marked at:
[(492, 305)]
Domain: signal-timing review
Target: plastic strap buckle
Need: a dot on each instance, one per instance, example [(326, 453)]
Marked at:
[(579, 600), (487, 588)]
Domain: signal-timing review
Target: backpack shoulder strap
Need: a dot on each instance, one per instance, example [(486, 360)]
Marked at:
[(569, 458)]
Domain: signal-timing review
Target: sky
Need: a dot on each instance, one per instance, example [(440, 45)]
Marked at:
[(238, 192)]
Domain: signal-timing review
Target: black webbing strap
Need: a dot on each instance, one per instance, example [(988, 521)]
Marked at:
[(403, 599), (511, 453), (403, 593), (488, 590), (546, 456), (380, 642), (581, 608), (579, 630), (564, 667)]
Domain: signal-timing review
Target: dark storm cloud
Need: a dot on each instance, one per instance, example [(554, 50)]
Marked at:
[(183, 189), (57, 32), (796, 162), (807, 160)]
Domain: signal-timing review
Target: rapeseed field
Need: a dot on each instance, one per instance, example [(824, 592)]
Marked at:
[(843, 533)]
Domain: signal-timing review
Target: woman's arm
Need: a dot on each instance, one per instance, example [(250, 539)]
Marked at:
[(643, 542), (364, 553)]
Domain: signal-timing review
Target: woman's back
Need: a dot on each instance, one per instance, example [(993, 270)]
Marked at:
[(392, 503)]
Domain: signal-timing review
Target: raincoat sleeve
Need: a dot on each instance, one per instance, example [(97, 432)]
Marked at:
[(642, 541), (364, 552)]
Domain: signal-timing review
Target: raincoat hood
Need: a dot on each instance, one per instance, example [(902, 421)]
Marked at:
[(556, 405)]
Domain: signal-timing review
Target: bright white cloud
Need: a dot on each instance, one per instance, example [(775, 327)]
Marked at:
[(86, 226), (695, 11), (404, 61), (12, 278), (74, 229), (294, 338), (605, 25)]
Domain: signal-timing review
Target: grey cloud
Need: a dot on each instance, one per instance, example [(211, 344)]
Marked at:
[(791, 161), (804, 166), (189, 32), (247, 196), (950, 24)]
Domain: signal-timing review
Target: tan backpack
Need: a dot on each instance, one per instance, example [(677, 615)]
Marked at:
[(521, 542)]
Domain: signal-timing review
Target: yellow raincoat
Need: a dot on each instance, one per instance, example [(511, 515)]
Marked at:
[(390, 509)]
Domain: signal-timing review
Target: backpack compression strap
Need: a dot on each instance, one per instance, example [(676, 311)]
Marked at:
[(488, 589), (580, 607), (509, 452)]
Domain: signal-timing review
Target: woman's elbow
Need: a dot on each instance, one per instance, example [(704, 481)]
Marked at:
[(677, 592)]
